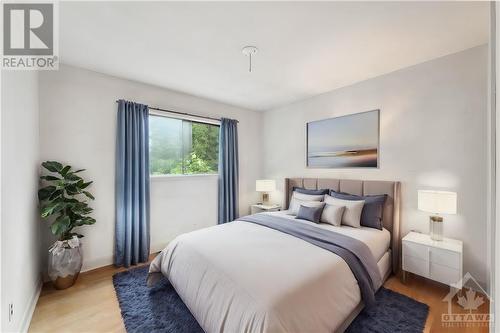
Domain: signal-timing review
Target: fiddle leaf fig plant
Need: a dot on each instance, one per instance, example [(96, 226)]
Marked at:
[(65, 197)]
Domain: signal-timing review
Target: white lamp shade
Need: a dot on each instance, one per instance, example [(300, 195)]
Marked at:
[(438, 202), (265, 185)]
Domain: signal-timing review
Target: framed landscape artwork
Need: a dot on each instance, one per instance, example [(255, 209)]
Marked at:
[(350, 141)]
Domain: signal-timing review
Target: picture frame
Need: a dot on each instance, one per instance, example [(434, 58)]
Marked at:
[(347, 141)]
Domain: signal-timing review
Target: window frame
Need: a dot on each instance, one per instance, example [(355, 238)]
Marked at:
[(192, 119)]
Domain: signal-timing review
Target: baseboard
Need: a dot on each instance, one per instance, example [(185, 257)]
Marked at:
[(106, 267), (90, 265), (158, 247), (28, 313)]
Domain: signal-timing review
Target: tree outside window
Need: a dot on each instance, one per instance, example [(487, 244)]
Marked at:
[(182, 147)]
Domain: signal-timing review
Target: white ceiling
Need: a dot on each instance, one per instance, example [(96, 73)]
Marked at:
[(305, 49)]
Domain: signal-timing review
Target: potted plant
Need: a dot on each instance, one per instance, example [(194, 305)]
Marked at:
[(64, 201)]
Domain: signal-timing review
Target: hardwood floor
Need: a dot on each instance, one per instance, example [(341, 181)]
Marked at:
[(432, 294), (91, 305)]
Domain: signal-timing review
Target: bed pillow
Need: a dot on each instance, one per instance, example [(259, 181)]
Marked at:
[(373, 209), (298, 198), (311, 192), (352, 212), (312, 214), (294, 210), (308, 197), (332, 214)]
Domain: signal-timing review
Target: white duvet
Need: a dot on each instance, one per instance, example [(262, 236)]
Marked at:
[(243, 277)]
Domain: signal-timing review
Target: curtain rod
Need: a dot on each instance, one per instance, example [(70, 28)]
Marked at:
[(183, 113)]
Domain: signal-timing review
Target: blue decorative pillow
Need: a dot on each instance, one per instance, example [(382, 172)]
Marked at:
[(312, 214), (373, 210), (310, 192)]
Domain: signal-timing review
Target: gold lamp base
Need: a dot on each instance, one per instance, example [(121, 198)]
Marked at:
[(265, 198), (65, 282)]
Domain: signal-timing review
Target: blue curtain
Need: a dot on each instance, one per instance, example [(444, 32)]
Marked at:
[(228, 170), (132, 184)]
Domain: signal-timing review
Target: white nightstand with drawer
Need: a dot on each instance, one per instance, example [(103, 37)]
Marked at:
[(436, 260), (259, 208)]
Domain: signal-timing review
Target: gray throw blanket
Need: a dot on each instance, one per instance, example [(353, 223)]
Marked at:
[(355, 253)]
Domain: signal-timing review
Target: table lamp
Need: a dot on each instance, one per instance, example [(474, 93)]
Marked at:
[(437, 202), (265, 186)]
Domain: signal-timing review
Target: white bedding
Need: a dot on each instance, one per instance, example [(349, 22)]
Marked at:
[(377, 240), (243, 277)]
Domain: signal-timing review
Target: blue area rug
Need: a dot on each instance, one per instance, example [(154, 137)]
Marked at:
[(160, 309)]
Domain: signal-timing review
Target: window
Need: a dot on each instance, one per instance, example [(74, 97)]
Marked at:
[(182, 147)]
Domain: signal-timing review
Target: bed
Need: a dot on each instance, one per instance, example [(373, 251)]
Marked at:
[(245, 277)]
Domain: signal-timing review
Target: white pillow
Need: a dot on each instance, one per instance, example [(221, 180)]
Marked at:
[(296, 203), (352, 212), (332, 214), (308, 197), (298, 198)]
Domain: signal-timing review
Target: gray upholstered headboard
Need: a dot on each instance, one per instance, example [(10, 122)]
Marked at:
[(391, 215)]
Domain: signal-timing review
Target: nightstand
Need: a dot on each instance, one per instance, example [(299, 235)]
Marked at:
[(259, 208), (436, 260)]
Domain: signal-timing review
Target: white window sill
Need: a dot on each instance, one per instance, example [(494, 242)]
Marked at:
[(155, 178)]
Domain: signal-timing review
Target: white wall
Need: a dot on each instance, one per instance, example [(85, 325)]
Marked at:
[(78, 127), (433, 135), (20, 280), (495, 165)]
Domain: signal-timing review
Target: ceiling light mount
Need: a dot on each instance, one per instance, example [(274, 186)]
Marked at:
[(249, 51)]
